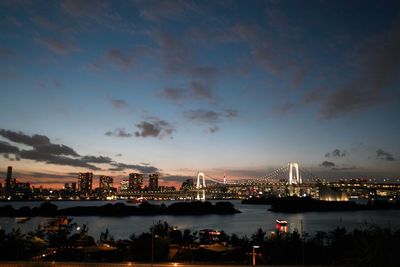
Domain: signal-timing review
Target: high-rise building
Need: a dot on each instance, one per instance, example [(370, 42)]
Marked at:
[(8, 179), (124, 185), (153, 182), (85, 183), (187, 184), (105, 182), (135, 181)]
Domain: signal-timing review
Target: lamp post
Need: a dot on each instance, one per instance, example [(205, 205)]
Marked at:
[(152, 246), (254, 255)]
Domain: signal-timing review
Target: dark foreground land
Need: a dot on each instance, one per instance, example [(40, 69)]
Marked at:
[(174, 247), (119, 209), (78, 264), (305, 204)]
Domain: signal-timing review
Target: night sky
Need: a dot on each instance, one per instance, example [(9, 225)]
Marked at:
[(177, 87)]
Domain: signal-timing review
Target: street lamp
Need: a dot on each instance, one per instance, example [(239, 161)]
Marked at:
[(254, 255)]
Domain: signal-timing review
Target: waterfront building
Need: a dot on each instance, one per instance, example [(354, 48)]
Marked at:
[(135, 181), (332, 194), (153, 182), (124, 185), (187, 184), (105, 182), (85, 183)]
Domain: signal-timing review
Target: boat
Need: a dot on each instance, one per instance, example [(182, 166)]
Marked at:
[(281, 226)]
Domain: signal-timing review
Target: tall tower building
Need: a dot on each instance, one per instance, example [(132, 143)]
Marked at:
[(124, 185), (135, 181), (8, 179), (105, 182), (153, 182), (85, 183)]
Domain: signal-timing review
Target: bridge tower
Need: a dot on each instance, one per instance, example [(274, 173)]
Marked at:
[(294, 175), (200, 186)]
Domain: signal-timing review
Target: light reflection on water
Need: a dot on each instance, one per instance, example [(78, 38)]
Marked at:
[(245, 223)]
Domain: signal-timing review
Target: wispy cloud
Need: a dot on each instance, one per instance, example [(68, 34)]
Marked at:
[(383, 155), (336, 153), (154, 128), (118, 103), (327, 164), (57, 46), (119, 132), (377, 68)]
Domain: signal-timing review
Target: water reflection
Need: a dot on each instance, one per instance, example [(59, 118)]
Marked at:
[(245, 223)]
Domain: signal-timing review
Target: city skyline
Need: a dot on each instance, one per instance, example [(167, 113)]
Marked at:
[(177, 87)]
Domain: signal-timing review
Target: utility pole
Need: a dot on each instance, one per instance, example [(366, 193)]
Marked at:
[(302, 242), (152, 245)]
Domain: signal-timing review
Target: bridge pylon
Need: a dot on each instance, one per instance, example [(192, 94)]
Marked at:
[(201, 186), (294, 175)]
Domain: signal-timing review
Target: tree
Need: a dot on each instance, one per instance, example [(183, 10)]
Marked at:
[(106, 238), (258, 237)]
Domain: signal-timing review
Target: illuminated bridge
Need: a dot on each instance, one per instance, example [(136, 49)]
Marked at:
[(291, 175)]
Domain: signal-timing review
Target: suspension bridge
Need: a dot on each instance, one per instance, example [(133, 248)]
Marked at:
[(290, 174)]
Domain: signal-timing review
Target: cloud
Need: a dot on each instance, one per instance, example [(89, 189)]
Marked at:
[(205, 72), (20, 137), (45, 23), (313, 96), (176, 178), (44, 151), (174, 94), (119, 132), (210, 116), (8, 148), (285, 108), (55, 159), (157, 11), (337, 153), (327, 164), (57, 46), (197, 91), (56, 149), (91, 14), (271, 51), (118, 103), (97, 159), (213, 129), (154, 128), (377, 68), (200, 90), (345, 168), (118, 58), (231, 113), (6, 52), (203, 116), (40, 143), (383, 155), (142, 168)]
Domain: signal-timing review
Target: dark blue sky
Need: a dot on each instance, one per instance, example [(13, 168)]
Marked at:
[(240, 87)]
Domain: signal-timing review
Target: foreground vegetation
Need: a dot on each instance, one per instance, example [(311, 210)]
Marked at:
[(371, 247)]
